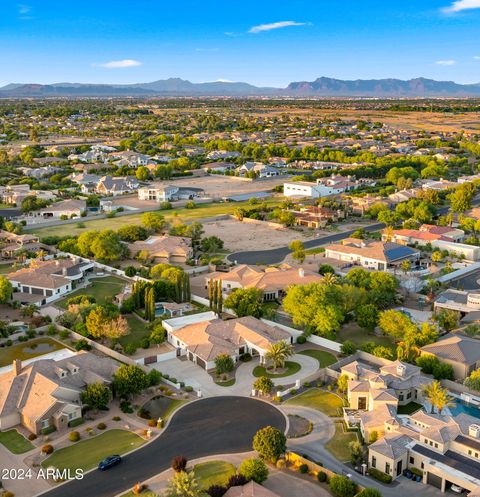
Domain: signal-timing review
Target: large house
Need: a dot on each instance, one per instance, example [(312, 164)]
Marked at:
[(460, 351), (14, 194), (371, 254), (11, 243), (65, 209), (465, 302), (165, 248), (272, 281), (324, 187), (444, 449), (202, 342), (108, 185), (45, 281), (260, 169), (316, 217), (45, 394), (164, 193)]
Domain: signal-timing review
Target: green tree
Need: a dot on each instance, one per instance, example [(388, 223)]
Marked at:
[(370, 492), (183, 484), (264, 385), (158, 334), (224, 364), (253, 469), (270, 443), (153, 221), (298, 250), (395, 324), (448, 319), (367, 316), (129, 379), (473, 381), (342, 383), (96, 396), (96, 320), (6, 290), (142, 173), (461, 198), (245, 302)]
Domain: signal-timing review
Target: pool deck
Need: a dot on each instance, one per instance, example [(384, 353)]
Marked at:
[(56, 355)]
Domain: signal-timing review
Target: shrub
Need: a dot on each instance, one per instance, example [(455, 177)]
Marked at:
[(322, 476), (173, 380), (64, 334), (303, 468), (179, 464), (281, 464), (254, 469), (216, 491), (247, 357), (74, 436), (237, 480), (47, 449), (188, 388), (101, 426), (116, 418), (75, 422), (130, 348), (82, 345), (145, 343), (370, 492), (32, 436), (152, 423), (8, 494), (373, 437), (341, 486), (301, 339), (379, 475), (348, 348), (48, 430), (125, 407), (154, 377)]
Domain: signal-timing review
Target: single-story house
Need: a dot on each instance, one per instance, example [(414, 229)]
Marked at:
[(164, 248)]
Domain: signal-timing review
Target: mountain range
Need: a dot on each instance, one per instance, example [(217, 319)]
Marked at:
[(321, 87)]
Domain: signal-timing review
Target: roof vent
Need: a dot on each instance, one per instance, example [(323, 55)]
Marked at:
[(401, 369), (474, 431)]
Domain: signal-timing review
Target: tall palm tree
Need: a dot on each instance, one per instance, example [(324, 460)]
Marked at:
[(388, 232), (437, 396), (278, 353)]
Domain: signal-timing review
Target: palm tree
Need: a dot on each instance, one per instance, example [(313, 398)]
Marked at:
[(41, 254), (406, 265), (278, 353), (330, 279), (437, 396), (388, 232)]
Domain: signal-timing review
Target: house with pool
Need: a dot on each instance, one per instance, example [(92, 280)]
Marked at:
[(202, 341), (441, 449)]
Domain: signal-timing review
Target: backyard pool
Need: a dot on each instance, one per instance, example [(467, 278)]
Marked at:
[(461, 407)]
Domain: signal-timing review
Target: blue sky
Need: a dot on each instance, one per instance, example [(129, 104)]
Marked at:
[(263, 42)]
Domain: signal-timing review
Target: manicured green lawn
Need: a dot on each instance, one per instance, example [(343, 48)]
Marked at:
[(87, 453), (326, 402), (145, 493), (409, 408), (5, 268), (102, 289), (292, 368), (324, 358), (28, 350), (227, 383), (359, 336), (138, 331), (338, 444), (176, 403), (213, 473), (15, 442), (186, 215)]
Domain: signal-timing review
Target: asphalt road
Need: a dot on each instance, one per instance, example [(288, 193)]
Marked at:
[(218, 425), (274, 256)]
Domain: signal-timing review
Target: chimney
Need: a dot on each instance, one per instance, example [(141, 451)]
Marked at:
[(17, 366), (401, 369), (301, 272), (474, 431)]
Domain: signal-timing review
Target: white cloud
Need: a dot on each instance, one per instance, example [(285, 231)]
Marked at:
[(446, 62), (476, 57), (23, 9), (119, 64), (460, 5), (221, 80), (275, 25)]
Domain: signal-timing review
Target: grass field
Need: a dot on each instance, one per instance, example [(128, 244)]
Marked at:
[(338, 444), (326, 402), (138, 331), (15, 442), (351, 331), (28, 350), (324, 358), (292, 368), (202, 211), (5, 268), (87, 453), (103, 289), (213, 473)]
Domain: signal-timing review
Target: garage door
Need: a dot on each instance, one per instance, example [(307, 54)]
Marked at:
[(434, 480), (201, 363)]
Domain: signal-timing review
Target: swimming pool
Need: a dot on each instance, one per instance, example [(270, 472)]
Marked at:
[(461, 407)]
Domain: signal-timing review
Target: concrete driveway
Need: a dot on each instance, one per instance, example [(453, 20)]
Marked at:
[(199, 379)]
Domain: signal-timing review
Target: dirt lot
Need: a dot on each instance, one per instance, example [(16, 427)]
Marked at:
[(239, 236)]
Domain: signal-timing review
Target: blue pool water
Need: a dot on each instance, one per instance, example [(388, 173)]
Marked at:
[(461, 407)]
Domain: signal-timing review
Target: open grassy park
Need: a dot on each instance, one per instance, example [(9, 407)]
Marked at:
[(15, 442), (202, 211), (87, 453), (326, 402)]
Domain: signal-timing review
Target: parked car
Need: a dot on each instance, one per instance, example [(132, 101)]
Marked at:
[(109, 462), (457, 489)]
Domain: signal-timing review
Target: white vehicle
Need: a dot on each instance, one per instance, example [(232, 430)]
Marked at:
[(456, 489)]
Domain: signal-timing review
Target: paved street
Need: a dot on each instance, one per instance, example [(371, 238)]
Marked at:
[(219, 425)]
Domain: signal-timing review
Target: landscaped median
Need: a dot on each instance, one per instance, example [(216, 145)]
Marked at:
[(86, 454), (289, 369)]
